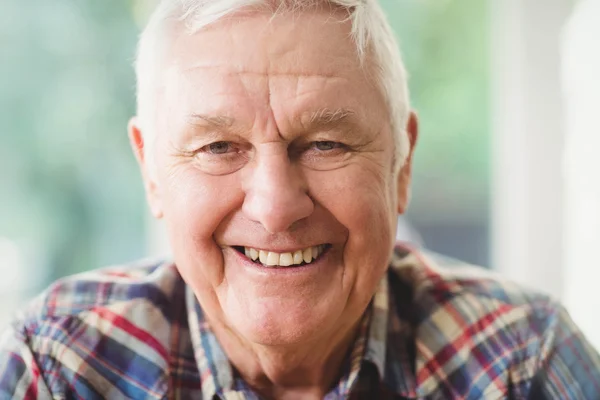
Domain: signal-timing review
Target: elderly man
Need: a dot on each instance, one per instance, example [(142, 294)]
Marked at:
[(275, 140)]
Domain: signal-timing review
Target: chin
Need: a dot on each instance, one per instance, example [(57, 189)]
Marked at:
[(273, 326)]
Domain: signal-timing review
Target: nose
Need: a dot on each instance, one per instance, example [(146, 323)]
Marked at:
[(276, 192)]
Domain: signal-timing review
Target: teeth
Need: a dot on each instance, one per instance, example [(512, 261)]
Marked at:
[(286, 259), (253, 254), (272, 259), (315, 252), (298, 257), (307, 255), (262, 255)]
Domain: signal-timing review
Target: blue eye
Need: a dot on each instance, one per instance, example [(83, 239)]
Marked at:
[(327, 145), (219, 147), (222, 157)]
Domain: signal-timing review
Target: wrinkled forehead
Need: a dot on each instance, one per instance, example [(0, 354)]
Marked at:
[(317, 39), (290, 55)]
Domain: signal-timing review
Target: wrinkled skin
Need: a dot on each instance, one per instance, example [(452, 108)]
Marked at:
[(246, 156)]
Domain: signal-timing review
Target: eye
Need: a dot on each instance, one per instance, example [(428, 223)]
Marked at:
[(327, 145), (219, 148), (222, 157), (322, 154)]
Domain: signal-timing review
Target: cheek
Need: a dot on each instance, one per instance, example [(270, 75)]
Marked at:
[(362, 201), (194, 205), (199, 201)]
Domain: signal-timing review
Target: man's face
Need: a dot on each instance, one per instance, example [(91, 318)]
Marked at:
[(272, 138)]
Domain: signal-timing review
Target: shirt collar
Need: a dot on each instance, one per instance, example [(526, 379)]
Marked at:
[(215, 370), (391, 340), (377, 332)]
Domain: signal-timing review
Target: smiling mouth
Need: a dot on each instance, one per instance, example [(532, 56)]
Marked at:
[(272, 259)]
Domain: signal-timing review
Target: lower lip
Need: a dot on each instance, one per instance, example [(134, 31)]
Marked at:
[(307, 268)]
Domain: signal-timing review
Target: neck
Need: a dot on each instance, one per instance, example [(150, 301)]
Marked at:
[(305, 371)]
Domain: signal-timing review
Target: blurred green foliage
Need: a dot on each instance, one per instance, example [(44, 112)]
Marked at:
[(71, 194), (445, 44)]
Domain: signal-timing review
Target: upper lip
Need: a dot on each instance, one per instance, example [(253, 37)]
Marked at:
[(276, 249)]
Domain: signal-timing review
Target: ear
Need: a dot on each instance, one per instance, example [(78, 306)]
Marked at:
[(405, 174), (136, 139)]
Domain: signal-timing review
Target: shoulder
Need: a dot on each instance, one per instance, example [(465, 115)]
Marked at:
[(466, 319), (87, 327), (461, 309), (139, 294), (147, 282), (437, 281)]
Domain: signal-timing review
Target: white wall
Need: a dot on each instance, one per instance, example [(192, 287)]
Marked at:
[(581, 261), (546, 185), (528, 141)]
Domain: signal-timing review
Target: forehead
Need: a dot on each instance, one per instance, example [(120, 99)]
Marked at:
[(301, 60), (258, 39)]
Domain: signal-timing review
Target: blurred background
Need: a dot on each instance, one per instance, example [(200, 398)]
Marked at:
[(506, 172)]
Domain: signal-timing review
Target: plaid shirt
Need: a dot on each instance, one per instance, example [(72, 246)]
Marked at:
[(435, 329)]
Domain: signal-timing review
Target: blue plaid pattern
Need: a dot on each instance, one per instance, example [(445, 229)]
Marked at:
[(435, 329)]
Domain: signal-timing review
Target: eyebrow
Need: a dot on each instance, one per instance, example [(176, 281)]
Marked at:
[(326, 117), (219, 121)]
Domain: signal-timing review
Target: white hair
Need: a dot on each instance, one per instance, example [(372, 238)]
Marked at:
[(371, 33)]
